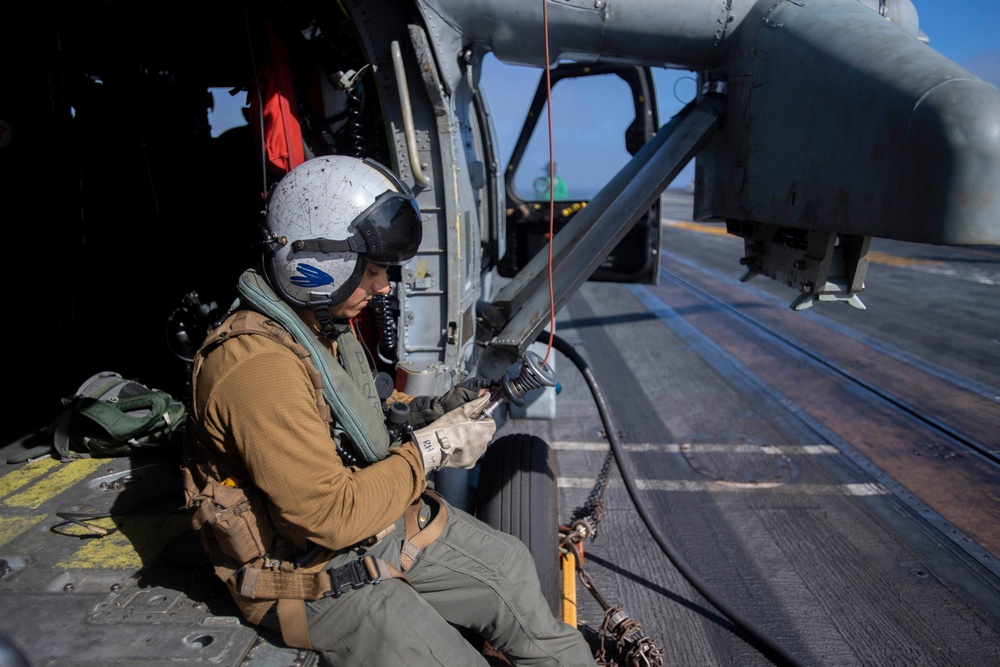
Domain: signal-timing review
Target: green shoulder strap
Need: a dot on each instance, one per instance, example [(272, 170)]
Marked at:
[(358, 412)]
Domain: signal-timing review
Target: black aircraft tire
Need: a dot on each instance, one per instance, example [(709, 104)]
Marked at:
[(518, 495)]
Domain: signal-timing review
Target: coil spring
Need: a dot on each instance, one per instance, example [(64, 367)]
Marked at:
[(385, 322), (331, 42), (354, 126), (533, 374)]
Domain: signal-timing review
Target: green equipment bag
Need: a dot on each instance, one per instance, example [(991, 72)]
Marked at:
[(112, 416)]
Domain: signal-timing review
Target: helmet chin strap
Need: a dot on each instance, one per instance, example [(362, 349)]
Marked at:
[(328, 326)]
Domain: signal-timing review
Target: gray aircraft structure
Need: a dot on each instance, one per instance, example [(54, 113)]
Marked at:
[(817, 126)]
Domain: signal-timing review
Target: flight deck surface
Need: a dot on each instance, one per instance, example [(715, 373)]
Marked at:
[(830, 474), (787, 458)]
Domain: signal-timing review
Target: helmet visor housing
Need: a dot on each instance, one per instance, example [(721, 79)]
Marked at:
[(391, 229), (329, 216)]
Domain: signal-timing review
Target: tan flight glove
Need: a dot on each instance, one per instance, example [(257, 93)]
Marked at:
[(457, 439)]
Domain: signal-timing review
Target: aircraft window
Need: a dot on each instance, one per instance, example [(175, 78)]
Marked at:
[(674, 89), (589, 119), (226, 111)]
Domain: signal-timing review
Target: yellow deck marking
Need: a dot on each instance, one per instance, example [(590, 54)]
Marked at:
[(139, 538), (873, 255), (893, 260), (61, 479), (27, 473), (111, 552), (12, 526), (705, 228)]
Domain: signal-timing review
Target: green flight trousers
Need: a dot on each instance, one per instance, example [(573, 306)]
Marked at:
[(472, 576)]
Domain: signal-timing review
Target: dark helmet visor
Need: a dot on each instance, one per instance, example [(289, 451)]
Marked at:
[(391, 229)]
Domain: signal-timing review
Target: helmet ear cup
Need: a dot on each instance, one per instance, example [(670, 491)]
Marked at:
[(326, 219)]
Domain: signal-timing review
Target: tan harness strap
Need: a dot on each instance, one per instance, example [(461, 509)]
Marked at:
[(263, 584), (291, 589), (292, 621), (292, 612), (416, 540)]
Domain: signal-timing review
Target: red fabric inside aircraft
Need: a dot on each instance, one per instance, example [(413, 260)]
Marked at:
[(282, 131)]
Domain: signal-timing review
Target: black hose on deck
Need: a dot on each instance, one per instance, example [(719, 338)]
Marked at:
[(763, 643)]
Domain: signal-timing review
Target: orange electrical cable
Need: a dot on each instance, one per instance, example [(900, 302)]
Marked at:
[(552, 190)]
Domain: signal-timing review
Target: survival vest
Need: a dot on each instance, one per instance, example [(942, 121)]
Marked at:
[(262, 569), (348, 388)]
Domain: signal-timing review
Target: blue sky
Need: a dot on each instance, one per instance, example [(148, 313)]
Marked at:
[(967, 31)]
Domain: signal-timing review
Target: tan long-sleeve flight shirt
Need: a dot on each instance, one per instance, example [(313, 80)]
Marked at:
[(255, 401)]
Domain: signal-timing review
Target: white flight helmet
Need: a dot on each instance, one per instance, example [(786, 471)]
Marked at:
[(327, 218)]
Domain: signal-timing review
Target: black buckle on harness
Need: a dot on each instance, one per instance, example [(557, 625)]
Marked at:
[(353, 575)]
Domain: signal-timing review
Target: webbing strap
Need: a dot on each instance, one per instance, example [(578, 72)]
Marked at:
[(357, 412), (416, 539), (262, 584), (291, 589), (292, 621)]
